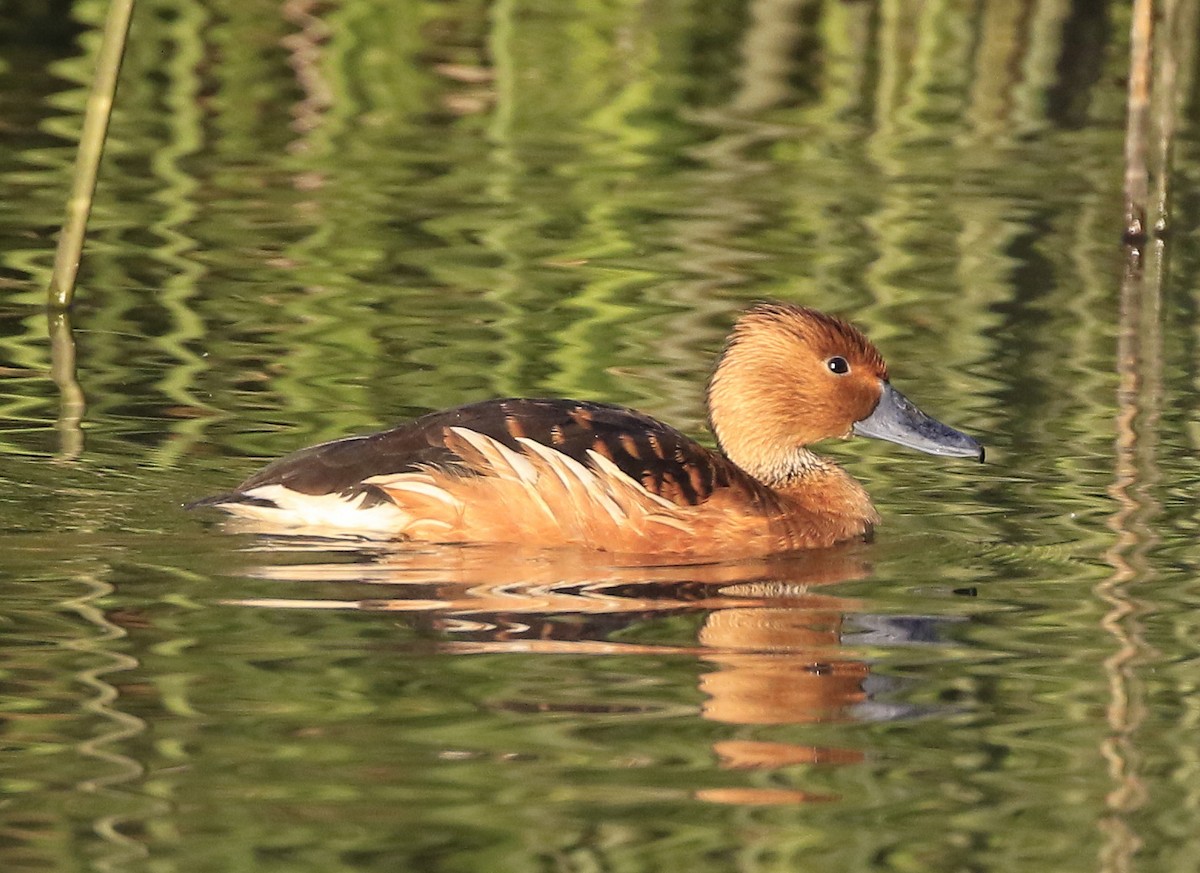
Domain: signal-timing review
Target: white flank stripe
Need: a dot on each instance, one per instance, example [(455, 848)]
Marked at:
[(668, 521), (616, 472), (564, 466), (498, 454), (548, 455), (594, 486)]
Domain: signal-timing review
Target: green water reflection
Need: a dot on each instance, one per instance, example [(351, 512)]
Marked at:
[(318, 218)]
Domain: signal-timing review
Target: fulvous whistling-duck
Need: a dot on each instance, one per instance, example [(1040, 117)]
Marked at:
[(552, 473)]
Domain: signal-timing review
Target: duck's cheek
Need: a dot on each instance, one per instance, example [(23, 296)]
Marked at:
[(857, 399)]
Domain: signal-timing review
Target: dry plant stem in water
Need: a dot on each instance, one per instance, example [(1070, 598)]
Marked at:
[(91, 147), (1137, 128)]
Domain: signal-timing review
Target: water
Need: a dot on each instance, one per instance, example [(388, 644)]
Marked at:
[(321, 218)]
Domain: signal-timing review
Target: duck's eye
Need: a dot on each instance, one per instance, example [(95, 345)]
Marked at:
[(837, 364)]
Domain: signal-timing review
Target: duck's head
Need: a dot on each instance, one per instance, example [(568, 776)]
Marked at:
[(791, 376)]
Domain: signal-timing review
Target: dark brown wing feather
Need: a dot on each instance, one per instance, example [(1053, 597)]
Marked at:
[(666, 462)]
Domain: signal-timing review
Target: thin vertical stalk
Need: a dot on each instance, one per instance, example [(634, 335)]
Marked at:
[(1154, 101), (1137, 125), (91, 148), (1176, 52)]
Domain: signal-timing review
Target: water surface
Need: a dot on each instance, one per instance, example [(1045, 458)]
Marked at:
[(322, 218)]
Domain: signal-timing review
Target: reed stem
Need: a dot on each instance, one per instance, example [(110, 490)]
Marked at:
[(87, 160), (1137, 130)]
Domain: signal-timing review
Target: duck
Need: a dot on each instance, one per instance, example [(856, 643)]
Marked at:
[(558, 473)]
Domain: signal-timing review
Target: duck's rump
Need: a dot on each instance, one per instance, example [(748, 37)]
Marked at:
[(582, 467)]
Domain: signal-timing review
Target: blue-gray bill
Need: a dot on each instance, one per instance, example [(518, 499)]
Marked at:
[(897, 420)]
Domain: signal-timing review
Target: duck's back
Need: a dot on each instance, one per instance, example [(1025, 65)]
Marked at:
[(555, 471), (662, 459)]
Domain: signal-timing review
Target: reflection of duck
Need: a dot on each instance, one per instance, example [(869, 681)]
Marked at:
[(770, 633), (770, 642), (565, 473)]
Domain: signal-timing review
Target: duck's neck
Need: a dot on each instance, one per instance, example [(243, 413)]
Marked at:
[(810, 482), (779, 468), (803, 478)]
